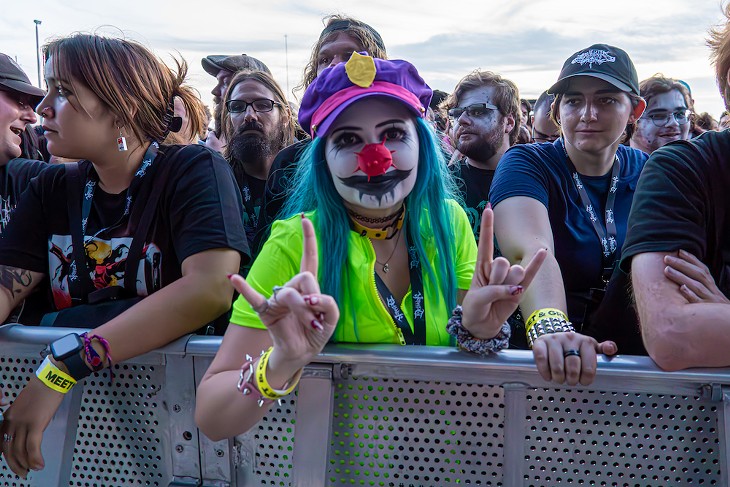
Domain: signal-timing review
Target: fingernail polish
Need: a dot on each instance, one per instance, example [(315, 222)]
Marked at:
[(320, 316), (314, 300), (229, 276), (489, 205), (317, 325), (515, 290), (302, 215)]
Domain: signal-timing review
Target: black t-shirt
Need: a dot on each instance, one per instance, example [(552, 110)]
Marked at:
[(14, 178), (199, 209), (277, 189), (683, 202), (473, 184), (252, 193)]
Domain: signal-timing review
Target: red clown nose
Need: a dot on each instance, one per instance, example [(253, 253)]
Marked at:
[(374, 159)]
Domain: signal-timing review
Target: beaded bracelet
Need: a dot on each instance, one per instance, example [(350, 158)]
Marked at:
[(547, 326), (468, 342)]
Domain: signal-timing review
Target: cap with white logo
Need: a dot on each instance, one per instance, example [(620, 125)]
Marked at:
[(600, 61)]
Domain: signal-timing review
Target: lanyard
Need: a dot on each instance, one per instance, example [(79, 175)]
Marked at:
[(79, 288), (606, 234), (248, 205), (93, 179), (417, 336)]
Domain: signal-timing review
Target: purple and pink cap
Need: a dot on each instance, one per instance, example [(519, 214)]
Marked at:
[(362, 76)]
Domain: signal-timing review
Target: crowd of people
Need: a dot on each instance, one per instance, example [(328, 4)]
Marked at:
[(591, 220)]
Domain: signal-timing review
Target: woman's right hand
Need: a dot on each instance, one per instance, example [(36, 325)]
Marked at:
[(300, 319), (569, 357)]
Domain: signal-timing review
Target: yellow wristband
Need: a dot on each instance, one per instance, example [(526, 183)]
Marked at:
[(539, 314), (54, 378), (263, 385)]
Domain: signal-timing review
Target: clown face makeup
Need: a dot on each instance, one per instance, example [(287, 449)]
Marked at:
[(358, 148)]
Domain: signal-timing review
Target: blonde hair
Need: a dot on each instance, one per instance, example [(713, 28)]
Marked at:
[(719, 43), (359, 31)]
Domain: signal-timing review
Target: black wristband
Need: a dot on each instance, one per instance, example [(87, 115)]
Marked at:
[(76, 366)]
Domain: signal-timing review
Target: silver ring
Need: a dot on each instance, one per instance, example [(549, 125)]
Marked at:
[(7, 438), (262, 309), (275, 291), (571, 353)]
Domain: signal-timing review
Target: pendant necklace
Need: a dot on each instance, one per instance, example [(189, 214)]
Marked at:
[(385, 265)]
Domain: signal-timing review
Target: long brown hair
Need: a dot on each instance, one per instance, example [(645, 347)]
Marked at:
[(269, 82), (135, 85), (366, 36)]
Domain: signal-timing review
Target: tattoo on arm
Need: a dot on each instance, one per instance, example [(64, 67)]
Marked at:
[(15, 280)]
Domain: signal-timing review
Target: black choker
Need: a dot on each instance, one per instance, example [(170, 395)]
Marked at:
[(383, 219)]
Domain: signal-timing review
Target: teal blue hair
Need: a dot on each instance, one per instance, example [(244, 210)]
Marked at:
[(313, 189)]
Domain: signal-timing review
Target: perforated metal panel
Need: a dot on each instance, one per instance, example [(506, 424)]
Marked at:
[(274, 439), (14, 373), (121, 433), (392, 432), (607, 439)]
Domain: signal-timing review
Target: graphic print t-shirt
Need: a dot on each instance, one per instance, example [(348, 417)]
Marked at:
[(199, 209)]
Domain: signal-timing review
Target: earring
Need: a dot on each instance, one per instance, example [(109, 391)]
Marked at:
[(121, 142)]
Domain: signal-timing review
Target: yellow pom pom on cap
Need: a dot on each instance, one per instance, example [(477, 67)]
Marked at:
[(360, 70)]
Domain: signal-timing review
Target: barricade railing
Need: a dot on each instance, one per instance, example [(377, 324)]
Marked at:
[(384, 416)]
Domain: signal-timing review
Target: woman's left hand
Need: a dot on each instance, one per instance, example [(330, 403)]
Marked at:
[(25, 421), (496, 286)]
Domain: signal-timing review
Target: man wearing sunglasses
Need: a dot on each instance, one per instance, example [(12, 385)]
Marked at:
[(484, 115), (258, 123), (667, 114)]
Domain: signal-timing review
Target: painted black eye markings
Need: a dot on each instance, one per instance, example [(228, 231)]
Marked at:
[(378, 186)]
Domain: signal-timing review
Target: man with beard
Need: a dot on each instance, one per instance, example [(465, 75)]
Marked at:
[(223, 67), (257, 121), (666, 119), (484, 110)]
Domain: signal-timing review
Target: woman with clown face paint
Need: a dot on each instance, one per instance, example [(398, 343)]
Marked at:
[(375, 249)]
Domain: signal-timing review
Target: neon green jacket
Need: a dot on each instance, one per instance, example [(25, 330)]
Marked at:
[(363, 316)]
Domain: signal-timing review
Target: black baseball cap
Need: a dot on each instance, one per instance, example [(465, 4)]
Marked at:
[(600, 61), (215, 62), (13, 77)]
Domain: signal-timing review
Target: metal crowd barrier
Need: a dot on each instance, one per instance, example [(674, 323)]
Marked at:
[(384, 416)]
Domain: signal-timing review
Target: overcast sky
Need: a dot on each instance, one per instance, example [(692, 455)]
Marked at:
[(525, 40)]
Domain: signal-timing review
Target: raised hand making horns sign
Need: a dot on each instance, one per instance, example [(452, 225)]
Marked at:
[(496, 286), (300, 319)]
